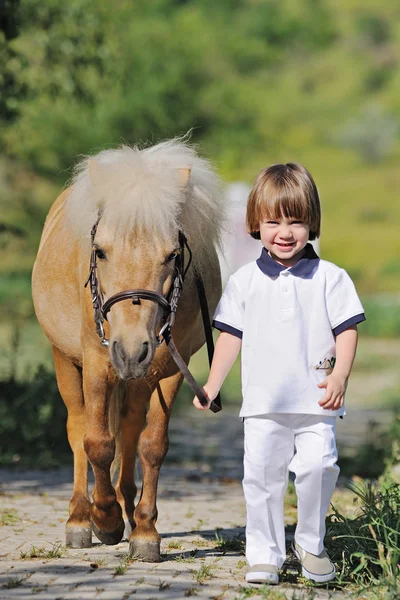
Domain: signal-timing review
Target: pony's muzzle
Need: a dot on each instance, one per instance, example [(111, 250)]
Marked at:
[(131, 365)]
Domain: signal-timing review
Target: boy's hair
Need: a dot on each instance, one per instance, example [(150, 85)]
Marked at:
[(284, 190)]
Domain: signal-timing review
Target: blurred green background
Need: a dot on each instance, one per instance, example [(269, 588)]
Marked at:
[(259, 81)]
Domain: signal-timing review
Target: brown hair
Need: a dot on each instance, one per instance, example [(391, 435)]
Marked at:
[(284, 190)]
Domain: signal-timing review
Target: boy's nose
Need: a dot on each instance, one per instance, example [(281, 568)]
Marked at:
[(286, 232)]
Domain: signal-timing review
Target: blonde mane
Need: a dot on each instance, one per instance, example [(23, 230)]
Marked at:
[(141, 189)]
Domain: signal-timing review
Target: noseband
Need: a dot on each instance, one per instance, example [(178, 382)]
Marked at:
[(168, 303)]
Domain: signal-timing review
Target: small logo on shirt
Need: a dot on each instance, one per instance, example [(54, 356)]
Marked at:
[(326, 365)]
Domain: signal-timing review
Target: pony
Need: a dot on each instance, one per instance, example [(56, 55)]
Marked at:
[(125, 220)]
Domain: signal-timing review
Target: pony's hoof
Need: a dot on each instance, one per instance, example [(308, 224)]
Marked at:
[(109, 538), (145, 551), (78, 537)]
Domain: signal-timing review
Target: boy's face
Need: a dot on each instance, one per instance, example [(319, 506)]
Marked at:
[(284, 238)]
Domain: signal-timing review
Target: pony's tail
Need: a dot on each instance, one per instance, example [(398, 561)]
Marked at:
[(114, 412)]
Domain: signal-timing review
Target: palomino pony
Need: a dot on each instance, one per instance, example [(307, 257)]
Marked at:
[(123, 221)]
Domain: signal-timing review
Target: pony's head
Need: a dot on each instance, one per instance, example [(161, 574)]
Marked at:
[(142, 199)]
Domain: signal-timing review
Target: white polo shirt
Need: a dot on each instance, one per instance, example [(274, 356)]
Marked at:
[(288, 319)]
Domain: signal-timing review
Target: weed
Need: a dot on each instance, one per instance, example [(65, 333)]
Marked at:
[(163, 585), (14, 582), (191, 592), (205, 572), (9, 516), (201, 523), (122, 567), (235, 544), (174, 545), (367, 548), (264, 591), (56, 551), (190, 513), (187, 556), (241, 564), (200, 543)]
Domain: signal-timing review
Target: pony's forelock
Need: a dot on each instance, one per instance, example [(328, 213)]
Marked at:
[(142, 189)]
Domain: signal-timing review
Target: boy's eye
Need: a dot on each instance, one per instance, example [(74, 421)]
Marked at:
[(270, 222)]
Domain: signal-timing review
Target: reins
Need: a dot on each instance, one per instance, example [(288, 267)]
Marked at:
[(168, 303)]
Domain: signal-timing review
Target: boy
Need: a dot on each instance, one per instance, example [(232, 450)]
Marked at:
[(295, 318)]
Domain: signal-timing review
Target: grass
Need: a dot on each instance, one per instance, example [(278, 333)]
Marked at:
[(56, 551), (8, 517), (174, 545), (187, 556), (14, 582), (122, 568), (205, 572), (235, 544), (366, 548), (163, 585), (265, 591)]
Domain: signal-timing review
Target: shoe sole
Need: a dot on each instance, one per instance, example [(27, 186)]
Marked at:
[(313, 576), (262, 577)]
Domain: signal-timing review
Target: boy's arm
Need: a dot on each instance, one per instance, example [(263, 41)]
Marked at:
[(336, 382), (226, 351)]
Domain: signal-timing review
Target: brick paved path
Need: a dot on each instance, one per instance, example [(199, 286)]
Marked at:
[(200, 502)]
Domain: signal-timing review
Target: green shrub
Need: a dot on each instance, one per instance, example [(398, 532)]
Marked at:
[(366, 549), (32, 422)]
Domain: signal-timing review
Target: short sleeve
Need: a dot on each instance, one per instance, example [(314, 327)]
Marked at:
[(343, 304), (229, 313)]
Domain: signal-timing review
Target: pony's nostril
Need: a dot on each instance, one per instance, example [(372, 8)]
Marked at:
[(144, 352), (119, 351)]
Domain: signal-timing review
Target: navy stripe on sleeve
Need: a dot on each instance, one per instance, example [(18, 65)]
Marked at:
[(224, 327), (346, 324)]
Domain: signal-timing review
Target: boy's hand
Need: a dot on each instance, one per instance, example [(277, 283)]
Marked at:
[(210, 397), (335, 385)]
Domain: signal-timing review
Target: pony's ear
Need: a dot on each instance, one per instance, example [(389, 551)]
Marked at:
[(184, 175), (96, 173)]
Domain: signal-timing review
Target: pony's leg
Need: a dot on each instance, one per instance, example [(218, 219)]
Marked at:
[(99, 444), (153, 446), (69, 380), (132, 420)]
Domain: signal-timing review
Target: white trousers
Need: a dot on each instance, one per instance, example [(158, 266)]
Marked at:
[(275, 444)]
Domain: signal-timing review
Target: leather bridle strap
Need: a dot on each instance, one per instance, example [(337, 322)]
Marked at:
[(215, 405), (136, 296)]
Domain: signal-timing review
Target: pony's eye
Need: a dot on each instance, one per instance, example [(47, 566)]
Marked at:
[(172, 256), (100, 254)]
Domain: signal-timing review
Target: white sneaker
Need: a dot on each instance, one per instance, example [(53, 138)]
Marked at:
[(318, 568), (263, 574)]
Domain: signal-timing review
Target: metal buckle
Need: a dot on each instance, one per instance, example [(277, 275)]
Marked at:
[(160, 333), (100, 330)]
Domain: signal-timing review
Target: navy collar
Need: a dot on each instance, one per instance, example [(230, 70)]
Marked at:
[(304, 266)]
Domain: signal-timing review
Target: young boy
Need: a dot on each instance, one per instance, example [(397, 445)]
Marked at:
[(295, 318)]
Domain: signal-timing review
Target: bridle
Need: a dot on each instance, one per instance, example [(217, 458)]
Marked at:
[(169, 304)]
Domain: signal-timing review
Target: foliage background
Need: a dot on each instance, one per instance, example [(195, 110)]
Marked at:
[(259, 81)]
